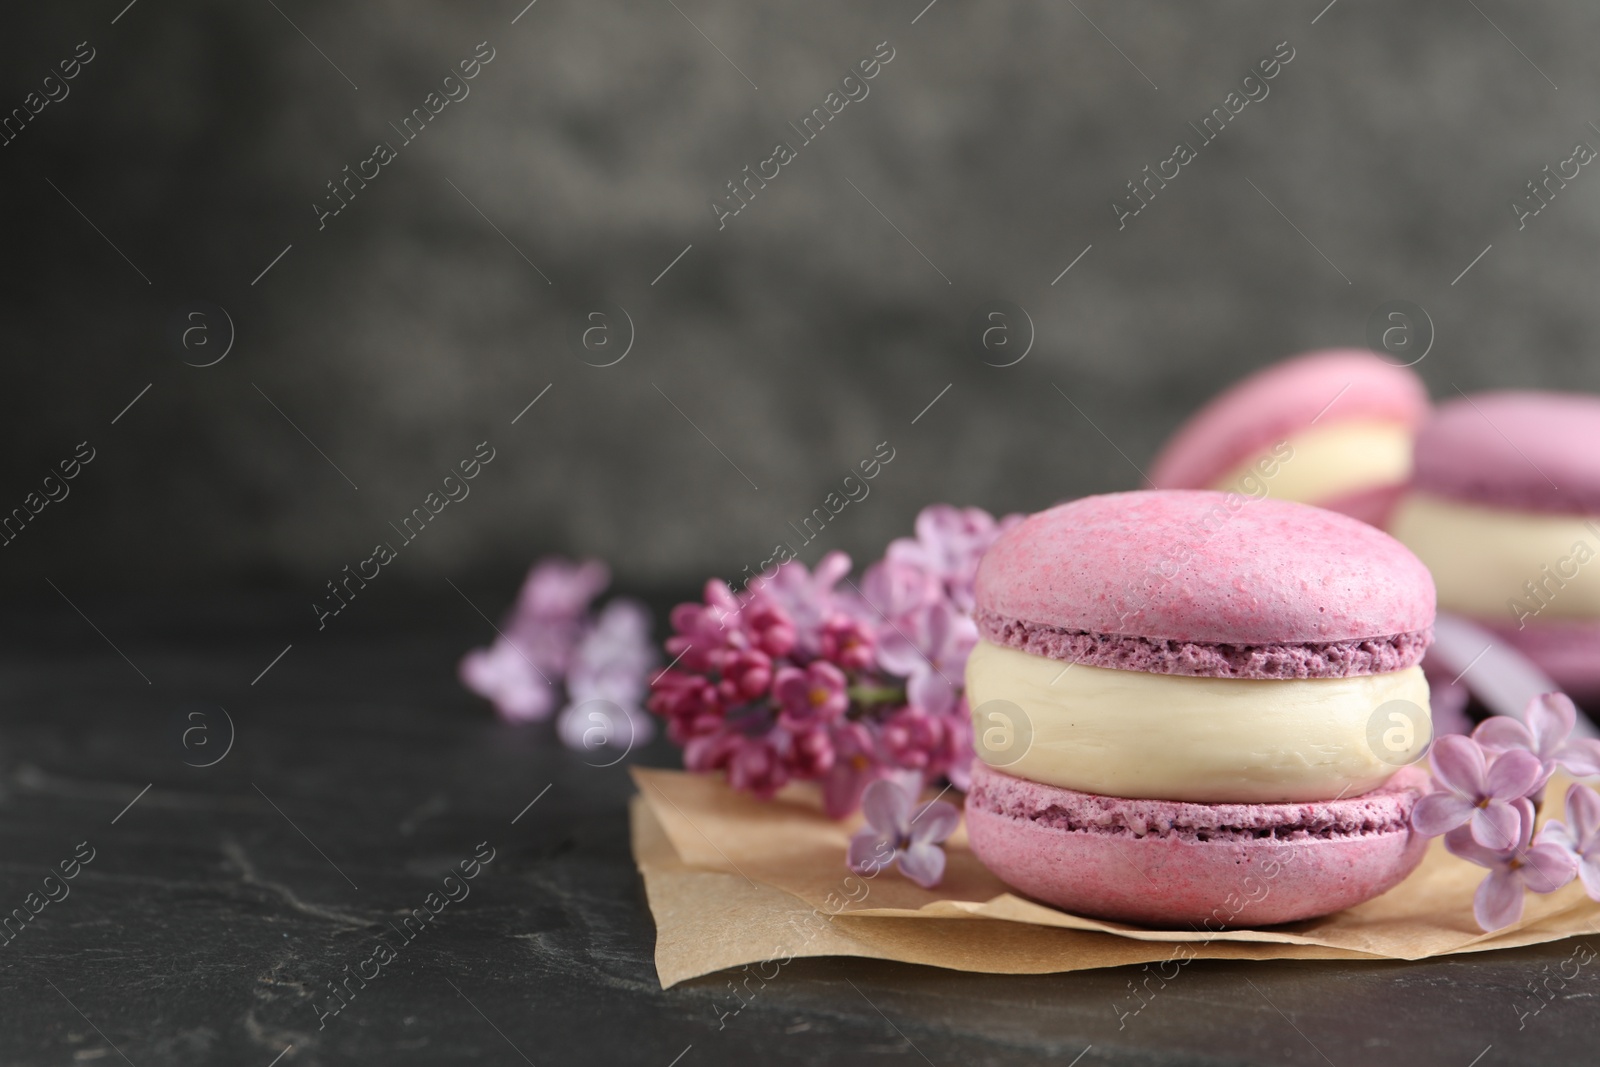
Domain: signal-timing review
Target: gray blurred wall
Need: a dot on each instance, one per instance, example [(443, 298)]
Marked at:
[(780, 350)]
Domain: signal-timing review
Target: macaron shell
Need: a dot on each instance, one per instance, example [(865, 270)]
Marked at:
[(1021, 831), (1275, 403), (1532, 451), (1205, 567)]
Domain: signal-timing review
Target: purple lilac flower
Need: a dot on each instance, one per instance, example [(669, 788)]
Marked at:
[(896, 831), (1579, 835), (929, 648), (1543, 868), (1546, 732), (608, 679), (1478, 791)]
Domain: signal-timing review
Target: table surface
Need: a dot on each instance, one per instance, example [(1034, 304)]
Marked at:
[(219, 906)]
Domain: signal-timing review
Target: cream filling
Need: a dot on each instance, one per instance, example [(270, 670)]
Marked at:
[(1207, 740), (1326, 462), (1506, 566)]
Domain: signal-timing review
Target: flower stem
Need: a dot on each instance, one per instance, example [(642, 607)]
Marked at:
[(876, 694)]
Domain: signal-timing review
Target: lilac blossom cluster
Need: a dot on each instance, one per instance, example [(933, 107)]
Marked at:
[(1487, 790), (797, 678), (553, 640)]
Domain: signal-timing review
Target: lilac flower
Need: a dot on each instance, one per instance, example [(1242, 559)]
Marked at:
[(857, 763), (1579, 835), (893, 587), (1543, 868), (558, 588), (812, 695), (1476, 791), (1545, 732), (896, 831), (929, 648), (507, 677), (519, 672), (607, 681), (806, 598), (948, 544)]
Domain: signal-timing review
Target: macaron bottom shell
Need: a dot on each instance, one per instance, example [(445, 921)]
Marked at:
[(1286, 863)]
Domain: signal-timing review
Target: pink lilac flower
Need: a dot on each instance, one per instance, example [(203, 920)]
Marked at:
[(607, 680), (1543, 868), (550, 638), (1478, 791), (805, 598), (929, 648), (558, 588), (1545, 732), (1579, 835), (948, 545), (520, 671), (893, 587), (896, 831), (799, 677), (507, 677), (811, 696), (857, 763), (848, 643)]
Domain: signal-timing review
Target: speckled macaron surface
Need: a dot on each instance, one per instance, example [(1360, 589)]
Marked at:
[(1208, 584), (1528, 451), (1319, 388), (1178, 864)]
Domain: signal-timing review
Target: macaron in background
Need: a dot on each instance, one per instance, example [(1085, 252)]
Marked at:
[(1175, 698), (1331, 428), (1504, 508)]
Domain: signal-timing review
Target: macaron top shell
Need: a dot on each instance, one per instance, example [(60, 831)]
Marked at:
[(1273, 404), (1530, 451), (1176, 569)]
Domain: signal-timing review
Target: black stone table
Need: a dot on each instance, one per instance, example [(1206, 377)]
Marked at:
[(221, 901)]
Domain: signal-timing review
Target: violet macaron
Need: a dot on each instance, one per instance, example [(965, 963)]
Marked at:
[(1332, 428), (1504, 508), (1196, 707)]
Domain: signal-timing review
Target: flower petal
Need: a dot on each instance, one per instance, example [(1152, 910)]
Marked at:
[(1583, 813), (1459, 842), (1557, 833), (870, 852), (887, 808), (1512, 774), (1496, 825), (1589, 871), (1438, 813), (1459, 765), (922, 863), (1550, 719), (935, 823), (1498, 901), (1546, 868), (931, 693), (1501, 732), (1580, 756)]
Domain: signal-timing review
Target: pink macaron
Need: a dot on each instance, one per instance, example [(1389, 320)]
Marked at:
[(1191, 672), (1504, 506), (1345, 416)]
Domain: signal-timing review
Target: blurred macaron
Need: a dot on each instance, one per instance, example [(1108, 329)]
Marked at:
[(1504, 508), (1332, 428)]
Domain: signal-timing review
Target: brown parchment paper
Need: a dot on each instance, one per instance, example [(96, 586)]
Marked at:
[(732, 880)]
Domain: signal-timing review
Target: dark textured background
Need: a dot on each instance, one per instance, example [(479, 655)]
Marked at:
[(796, 338)]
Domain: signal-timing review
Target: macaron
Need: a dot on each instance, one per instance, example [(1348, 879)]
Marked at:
[(1504, 508), (1332, 428), (1192, 706)]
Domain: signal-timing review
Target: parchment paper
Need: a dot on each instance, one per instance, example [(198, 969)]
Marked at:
[(732, 881)]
